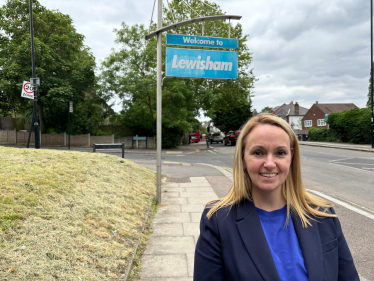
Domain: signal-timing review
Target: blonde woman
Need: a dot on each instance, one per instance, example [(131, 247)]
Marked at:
[(268, 227)]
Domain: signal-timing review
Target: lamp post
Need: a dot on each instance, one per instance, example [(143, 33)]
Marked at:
[(35, 82)]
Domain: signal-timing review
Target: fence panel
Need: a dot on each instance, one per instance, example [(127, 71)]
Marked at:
[(126, 140), (23, 136), (54, 139), (8, 137), (80, 140)]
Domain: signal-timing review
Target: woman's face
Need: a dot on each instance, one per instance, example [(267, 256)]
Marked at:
[(267, 157)]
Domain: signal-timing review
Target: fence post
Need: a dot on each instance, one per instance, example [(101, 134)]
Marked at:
[(113, 138), (15, 136), (64, 138), (94, 148), (89, 139), (123, 150)]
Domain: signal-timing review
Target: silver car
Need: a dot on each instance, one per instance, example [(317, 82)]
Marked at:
[(216, 137)]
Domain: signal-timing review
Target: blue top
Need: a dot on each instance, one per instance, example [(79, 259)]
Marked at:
[(283, 244)]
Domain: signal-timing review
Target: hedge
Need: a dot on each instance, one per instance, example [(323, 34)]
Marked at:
[(322, 134)]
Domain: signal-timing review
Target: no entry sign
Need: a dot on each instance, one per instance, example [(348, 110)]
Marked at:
[(27, 90)]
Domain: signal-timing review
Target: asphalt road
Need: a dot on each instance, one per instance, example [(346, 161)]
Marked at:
[(345, 176)]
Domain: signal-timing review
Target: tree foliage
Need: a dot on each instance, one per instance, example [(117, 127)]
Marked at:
[(130, 74), (266, 109), (64, 64), (232, 119), (352, 125)]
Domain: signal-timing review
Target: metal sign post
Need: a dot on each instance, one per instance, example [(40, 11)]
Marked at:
[(70, 111), (371, 76), (159, 100)]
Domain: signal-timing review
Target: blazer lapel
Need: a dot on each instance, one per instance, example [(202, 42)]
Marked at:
[(310, 244), (250, 229)]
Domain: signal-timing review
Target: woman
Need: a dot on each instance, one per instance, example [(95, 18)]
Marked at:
[(268, 227)]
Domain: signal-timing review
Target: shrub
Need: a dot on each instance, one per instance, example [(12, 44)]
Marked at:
[(322, 134), (352, 125)]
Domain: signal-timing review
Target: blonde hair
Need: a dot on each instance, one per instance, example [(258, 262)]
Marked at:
[(304, 204)]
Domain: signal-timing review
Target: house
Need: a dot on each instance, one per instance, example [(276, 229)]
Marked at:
[(292, 114), (315, 117)]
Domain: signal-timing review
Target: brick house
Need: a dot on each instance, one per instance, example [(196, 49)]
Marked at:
[(315, 117)]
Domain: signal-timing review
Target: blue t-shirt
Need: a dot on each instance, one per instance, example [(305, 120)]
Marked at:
[(284, 245)]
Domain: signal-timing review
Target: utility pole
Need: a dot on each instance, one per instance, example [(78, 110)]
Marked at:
[(159, 100), (35, 82)]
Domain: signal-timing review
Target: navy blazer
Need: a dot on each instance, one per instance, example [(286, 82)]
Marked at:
[(232, 246)]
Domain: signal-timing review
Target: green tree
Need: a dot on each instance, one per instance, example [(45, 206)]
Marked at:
[(130, 73), (233, 118), (368, 104), (64, 64), (266, 108)]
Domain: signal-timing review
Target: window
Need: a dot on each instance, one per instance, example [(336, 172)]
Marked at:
[(308, 123), (321, 122)]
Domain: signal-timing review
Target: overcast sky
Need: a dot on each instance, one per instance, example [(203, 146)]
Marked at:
[(303, 51)]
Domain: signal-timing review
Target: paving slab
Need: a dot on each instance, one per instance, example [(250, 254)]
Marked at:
[(191, 228), (190, 264), (174, 200), (200, 200), (195, 217), (199, 193), (167, 229), (172, 218), (187, 184), (169, 209), (174, 189), (171, 194), (162, 245), (193, 208), (154, 266)]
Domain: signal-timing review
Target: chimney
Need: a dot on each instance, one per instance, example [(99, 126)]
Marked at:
[(296, 108), (316, 102), (255, 112)]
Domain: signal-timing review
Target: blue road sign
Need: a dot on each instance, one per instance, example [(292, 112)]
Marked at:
[(193, 63), (200, 41)]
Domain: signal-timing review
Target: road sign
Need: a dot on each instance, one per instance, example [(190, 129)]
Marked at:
[(70, 106), (201, 41), (193, 63), (27, 90)]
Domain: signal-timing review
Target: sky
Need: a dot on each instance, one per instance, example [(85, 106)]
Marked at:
[(303, 51)]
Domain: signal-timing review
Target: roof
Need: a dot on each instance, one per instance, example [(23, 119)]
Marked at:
[(289, 110), (335, 107)]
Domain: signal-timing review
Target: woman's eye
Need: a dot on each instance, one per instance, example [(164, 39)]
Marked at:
[(258, 153), (281, 152)]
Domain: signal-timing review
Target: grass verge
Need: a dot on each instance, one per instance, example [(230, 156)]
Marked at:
[(68, 215)]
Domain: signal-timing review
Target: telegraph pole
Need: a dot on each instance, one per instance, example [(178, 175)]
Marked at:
[(159, 100), (35, 83)]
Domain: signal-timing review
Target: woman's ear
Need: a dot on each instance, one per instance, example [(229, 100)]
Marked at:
[(292, 152)]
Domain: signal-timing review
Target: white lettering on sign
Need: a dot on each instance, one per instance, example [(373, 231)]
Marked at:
[(190, 40), (201, 64)]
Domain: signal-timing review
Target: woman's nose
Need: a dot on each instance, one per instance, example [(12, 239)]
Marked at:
[(269, 162)]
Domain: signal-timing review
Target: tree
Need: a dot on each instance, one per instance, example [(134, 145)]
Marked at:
[(64, 64), (368, 104), (266, 108), (232, 119), (130, 73)]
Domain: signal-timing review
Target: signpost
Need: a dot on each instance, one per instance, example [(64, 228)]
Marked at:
[(70, 111), (194, 63)]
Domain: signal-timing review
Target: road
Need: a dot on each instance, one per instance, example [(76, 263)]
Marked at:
[(346, 176)]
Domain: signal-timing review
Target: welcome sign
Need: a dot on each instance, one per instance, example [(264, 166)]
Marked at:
[(192, 63), (201, 41)]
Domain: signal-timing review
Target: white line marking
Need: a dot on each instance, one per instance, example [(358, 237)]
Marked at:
[(350, 167), (340, 159), (211, 152), (351, 163), (341, 203)]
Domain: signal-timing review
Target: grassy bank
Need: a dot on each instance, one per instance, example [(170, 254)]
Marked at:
[(69, 215)]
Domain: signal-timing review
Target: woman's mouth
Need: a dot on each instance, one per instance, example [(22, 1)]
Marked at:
[(268, 175)]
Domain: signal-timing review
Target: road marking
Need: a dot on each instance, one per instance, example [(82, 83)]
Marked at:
[(340, 159), (211, 152), (351, 167), (341, 203), (351, 163)]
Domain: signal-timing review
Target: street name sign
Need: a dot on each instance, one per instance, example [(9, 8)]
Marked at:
[(70, 106), (194, 63), (201, 41), (27, 90)]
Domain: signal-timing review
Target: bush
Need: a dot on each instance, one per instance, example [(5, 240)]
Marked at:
[(352, 125), (322, 134), (171, 137)]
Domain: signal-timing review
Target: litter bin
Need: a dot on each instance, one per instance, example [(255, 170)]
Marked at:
[(305, 137)]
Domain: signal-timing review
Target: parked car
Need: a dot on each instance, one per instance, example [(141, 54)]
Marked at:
[(231, 137), (216, 137)]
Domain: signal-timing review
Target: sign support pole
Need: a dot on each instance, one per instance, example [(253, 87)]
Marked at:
[(69, 123), (159, 100), (36, 88)]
